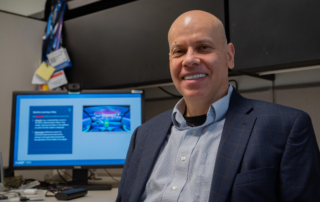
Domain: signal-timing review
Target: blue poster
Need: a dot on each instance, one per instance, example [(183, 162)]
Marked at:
[(50, 130)]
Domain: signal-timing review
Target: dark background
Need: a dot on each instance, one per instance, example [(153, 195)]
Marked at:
[(125, 44)]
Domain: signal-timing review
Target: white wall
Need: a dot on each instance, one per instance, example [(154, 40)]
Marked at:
[(20, 53), (22, 7)]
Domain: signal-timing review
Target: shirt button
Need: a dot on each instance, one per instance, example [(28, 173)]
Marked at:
[(194, 133), (183, 158), (174, 188)]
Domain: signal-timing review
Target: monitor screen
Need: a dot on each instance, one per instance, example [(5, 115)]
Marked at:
[(59, 130)]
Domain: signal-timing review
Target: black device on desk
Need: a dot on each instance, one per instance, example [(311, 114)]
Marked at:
[(58, 130), (71, 194)]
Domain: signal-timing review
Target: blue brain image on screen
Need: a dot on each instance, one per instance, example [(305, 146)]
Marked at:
[(109, 118)]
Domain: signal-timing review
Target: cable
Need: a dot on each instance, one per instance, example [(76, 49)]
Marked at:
[(62, 177), (235, 83), (91, 174), (179, 96), (111, 176), (65, 173)]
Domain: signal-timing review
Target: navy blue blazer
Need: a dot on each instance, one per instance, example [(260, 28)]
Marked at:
[(267, 152)]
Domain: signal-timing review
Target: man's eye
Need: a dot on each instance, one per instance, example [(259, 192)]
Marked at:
[(204, 47), (177, 51)]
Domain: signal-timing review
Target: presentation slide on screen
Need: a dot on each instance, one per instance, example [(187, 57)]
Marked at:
[(83, 129), (50, 130)]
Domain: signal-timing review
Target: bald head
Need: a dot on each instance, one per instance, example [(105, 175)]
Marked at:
[(196, 20)]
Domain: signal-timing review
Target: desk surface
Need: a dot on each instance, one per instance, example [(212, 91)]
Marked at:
[(93, 196)]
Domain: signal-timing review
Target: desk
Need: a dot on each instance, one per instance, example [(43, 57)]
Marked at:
[(92, 196)]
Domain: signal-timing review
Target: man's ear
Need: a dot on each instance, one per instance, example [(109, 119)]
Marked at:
[(230, 55)]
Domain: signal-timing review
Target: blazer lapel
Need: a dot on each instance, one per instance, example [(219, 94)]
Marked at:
[(153, 144), (236, 133)]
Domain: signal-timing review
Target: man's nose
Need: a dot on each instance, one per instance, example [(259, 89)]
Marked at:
[(191, 58)]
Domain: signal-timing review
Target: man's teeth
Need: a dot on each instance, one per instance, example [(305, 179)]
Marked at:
[(193, 77)]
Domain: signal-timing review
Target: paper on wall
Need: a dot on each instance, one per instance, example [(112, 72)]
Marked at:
[(57, 79)]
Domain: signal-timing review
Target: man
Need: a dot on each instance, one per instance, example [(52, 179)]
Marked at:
[(216, 145)]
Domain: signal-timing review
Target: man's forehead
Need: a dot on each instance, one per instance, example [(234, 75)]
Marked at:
[(194, 36), (194, 23), (192, 30), (189, 25), (195, 15)]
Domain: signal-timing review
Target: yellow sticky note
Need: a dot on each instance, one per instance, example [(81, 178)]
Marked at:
[(45, 71)]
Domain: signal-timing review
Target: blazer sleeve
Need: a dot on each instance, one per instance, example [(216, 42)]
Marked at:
[(300, 164), (126, 166)]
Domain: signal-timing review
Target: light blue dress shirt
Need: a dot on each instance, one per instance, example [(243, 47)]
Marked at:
[(184, 168)]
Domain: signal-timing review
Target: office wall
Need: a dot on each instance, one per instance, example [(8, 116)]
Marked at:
[(20, 48), (25, 8), (304, 97)]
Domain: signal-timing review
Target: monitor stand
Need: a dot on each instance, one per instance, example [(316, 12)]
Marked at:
[(80, 180)]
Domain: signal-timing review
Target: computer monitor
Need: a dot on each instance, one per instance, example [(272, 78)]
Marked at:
[(55, 130)]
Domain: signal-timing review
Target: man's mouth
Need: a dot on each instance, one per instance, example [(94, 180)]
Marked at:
[(194, 77)]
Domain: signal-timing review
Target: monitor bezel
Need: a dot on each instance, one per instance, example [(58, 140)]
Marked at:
[(13, 117)]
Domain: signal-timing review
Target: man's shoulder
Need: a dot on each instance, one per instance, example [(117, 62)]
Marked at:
[(262, 108), (160, 119), (159, 124)]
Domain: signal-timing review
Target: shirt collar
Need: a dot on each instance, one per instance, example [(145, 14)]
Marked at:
[(216, 112)]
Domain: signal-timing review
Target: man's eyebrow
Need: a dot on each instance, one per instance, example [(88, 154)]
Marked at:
[(201, 41), (176, 45)]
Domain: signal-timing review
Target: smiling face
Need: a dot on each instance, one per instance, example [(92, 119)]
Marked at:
[(199, 57)]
